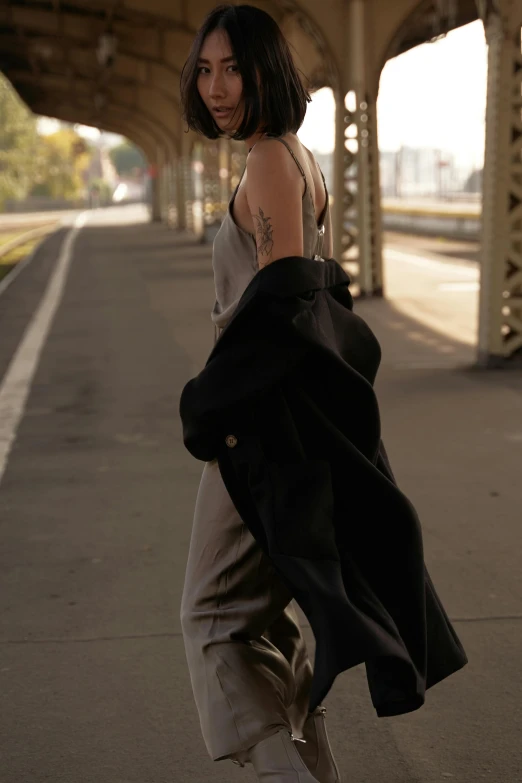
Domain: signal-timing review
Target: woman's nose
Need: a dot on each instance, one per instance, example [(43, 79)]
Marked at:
[(217, 87)]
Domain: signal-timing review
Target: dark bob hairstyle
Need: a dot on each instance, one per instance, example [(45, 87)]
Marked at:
[(260, 49)]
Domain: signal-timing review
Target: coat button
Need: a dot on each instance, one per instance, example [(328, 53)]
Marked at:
[(231, 441)]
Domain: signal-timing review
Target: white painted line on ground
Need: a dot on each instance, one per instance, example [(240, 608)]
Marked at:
[(16, 384), (441, 267), (473, 285)]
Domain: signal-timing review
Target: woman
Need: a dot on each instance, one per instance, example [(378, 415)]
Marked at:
[(248, 662), (321, 517)]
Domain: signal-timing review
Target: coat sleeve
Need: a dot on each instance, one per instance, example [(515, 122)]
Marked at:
[(254, 352)]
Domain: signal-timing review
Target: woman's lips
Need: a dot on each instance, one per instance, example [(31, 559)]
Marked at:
[(222, 112)]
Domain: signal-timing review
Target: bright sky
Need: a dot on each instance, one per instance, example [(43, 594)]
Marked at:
[(432, 96)]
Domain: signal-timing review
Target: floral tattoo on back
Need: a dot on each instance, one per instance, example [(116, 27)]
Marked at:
[(264, 231)]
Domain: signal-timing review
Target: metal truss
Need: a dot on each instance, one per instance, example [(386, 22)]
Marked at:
[(347, 216), (369, 200), (500, 326), (359, 216), (357, 187)]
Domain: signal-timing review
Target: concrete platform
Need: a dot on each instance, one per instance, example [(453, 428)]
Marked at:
[(96, 504)]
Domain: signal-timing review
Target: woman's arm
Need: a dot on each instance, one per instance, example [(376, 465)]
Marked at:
[(274, 191)]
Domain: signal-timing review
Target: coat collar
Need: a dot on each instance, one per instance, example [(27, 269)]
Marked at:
[(293, 275)]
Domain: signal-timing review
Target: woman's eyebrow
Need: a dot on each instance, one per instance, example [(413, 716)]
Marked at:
[(223, 60)]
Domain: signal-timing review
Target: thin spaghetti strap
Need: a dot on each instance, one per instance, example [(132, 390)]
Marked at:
[(237, 186), (240, 179)]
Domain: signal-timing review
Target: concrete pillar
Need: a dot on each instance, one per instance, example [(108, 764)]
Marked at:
[(181, 219), (185, 176), (155, 185), (172, 200), (225, 164), (500, 309), (164, 187), (211, 188), (196, 188), (168, 189)]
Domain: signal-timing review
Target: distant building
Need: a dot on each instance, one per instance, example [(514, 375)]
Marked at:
[(101, 167), (411, 171), (418, 171)]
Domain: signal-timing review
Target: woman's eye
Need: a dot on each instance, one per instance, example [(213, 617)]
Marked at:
[(204, 68)]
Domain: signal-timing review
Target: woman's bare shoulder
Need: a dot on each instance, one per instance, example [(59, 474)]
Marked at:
[(274, 191), (270, 156)]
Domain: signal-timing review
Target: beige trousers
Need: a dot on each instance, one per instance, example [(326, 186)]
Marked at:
[(247, 659)]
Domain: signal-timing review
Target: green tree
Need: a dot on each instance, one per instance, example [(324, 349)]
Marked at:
[(19, 142), (126, 157), (63, 156)]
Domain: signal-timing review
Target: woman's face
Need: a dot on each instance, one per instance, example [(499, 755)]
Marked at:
[(219, 81)]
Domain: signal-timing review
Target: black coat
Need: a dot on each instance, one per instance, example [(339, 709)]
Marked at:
[(286, 404)]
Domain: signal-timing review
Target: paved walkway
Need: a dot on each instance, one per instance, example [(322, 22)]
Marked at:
[(95, 512)]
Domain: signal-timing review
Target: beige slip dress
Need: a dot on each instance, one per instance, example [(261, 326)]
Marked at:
[(247, 659)]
